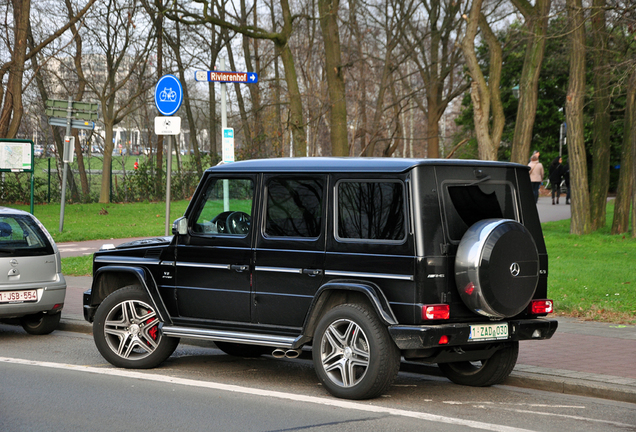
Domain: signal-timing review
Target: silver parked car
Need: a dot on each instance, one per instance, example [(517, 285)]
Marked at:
[(32, 287)]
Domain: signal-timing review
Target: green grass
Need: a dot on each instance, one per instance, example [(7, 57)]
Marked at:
[(105, 221), (78, 266), (591, 276)]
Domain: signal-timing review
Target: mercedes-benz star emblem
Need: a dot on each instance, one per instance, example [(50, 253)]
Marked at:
[(515, 269)]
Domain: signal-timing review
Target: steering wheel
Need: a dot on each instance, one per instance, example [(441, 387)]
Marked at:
[(238, 223), (219, 220)]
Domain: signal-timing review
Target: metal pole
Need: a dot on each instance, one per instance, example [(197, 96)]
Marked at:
[(168, 173), (65, 169), (226, 185)]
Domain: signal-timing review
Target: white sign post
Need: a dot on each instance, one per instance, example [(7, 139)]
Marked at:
[(228, 145)]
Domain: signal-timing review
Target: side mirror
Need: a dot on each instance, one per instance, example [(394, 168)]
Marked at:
[(180, 226)]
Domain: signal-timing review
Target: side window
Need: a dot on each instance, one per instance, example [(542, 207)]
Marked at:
[(226, 208), (294, 208), (371, 210)]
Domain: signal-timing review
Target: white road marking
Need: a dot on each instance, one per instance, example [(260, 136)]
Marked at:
[(339, 403), (573, 417)]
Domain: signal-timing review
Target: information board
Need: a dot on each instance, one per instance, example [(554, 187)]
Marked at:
[(16, 156)]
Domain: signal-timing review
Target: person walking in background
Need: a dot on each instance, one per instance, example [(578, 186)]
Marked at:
[(555, 174), (566, 178), (536, 175)]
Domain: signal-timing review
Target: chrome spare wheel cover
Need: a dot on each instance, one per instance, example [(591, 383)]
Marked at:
[(344, 353), (132, 330)]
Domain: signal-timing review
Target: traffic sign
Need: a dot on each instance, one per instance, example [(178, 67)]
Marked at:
[(62, 113), (227, 149), (167, 125), (224, 76), (75, 124), (168, 95), (79, 106)]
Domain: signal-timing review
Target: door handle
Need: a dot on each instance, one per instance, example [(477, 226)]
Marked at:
[(312, 272), (239, 268)]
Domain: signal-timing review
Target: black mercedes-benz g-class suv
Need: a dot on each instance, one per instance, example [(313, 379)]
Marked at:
[(363, 260)]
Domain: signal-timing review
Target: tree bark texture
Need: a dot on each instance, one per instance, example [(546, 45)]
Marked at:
[(12, 108), (335, 76), (601, 130), (536, 24), (626, 186), (484, 95), (580, 222)]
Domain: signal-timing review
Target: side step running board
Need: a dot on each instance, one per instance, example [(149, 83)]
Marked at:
[(233, 336)]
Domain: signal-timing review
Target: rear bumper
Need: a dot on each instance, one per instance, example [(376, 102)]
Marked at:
[(48, 297), (426, 337)]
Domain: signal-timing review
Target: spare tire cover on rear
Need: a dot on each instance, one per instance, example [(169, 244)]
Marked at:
[(497, 268)]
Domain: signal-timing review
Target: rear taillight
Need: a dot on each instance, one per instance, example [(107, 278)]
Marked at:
[(540, 307), (436, 312)]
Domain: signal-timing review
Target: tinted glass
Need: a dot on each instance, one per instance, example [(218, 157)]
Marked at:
[(294, 208), (467, 204), (371, 210), (226, 208), (21, 236)]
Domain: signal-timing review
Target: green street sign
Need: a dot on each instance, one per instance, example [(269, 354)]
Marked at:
[(76, 106), (51, 112)]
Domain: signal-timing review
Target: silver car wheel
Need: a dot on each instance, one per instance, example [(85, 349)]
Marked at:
[(344, 353), (131, 330)]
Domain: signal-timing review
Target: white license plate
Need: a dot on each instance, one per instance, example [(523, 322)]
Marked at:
[(488, 332), (18, 296)]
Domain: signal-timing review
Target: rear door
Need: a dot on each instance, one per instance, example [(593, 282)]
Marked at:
[(290, 250)]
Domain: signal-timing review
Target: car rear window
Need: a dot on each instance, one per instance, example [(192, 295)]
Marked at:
[(20, 235), (466, 204)]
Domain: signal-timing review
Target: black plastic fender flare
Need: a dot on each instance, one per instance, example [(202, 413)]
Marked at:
[(141, 274), (373, 293)]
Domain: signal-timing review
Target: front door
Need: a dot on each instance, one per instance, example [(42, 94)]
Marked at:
[(213, 261)]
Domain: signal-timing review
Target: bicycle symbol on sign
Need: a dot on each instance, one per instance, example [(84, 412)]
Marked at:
[(168, 95)]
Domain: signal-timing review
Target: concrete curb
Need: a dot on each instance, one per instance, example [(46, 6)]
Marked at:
[(531, 377)]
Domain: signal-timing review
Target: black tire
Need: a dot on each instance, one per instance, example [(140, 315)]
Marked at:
[(40, 323), (486, 372), (353, 353), (242, 350), (126, 330)]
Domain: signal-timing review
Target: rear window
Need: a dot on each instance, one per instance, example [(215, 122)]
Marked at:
[(20, 235), (467, 203)]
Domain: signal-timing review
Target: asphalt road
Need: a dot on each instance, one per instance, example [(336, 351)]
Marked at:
[(60, 382)]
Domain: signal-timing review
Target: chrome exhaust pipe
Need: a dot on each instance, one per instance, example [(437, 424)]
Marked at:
[(281, 353), (292, 354), (278, 353)]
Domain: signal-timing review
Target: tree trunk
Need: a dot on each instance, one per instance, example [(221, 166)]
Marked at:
[(12, 109), (580, 223), (537, 24), (104, 193), (484, 94), (601, 130), (335, 76), (626, 185)]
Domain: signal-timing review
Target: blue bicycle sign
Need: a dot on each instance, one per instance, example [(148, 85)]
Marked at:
[(168, 95)]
